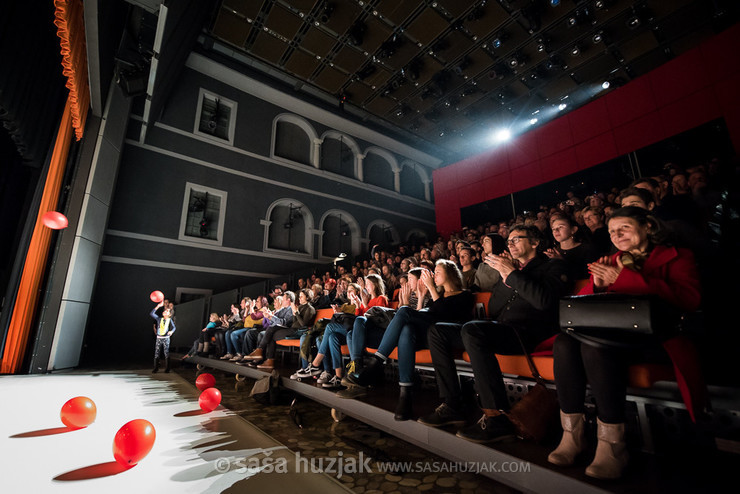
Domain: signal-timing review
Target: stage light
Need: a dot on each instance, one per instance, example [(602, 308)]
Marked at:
[(554, 3), (562, 106), (532, 121), (605, 84), (502, 135)]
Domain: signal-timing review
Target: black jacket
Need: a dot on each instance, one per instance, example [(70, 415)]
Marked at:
[(530, 297)]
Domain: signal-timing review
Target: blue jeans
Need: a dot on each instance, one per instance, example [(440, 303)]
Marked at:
[(232, 340), (331, 345), (364, 333), (403, 331)]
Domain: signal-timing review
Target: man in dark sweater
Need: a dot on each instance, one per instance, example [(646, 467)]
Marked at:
[(524, 301)]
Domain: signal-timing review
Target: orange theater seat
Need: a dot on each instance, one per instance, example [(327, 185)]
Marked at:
[(480, 307), (324, 314), (421, 356), (296, 342), (639, 375)]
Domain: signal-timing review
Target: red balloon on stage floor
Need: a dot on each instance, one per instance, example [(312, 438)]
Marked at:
[(209, 399), (133, 442), (55, 220), (205, 381), (78, 412), (156, 296)]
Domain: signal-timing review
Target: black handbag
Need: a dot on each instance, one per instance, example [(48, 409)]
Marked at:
[(616, 319)]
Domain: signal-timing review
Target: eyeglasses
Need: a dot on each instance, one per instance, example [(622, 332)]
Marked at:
[(514, 240)]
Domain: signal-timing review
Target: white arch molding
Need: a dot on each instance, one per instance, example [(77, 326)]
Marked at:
[(308, 221), (352, 144), (391, 160), (386, 225), (304, 124), (423, 175), (354, 228)]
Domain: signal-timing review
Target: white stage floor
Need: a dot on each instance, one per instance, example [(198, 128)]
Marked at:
[(194, 451)]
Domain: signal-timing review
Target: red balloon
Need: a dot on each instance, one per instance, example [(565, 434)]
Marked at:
[(54, 220), (205, 381), (209, 399), (156, 296), (78, 412), (133, 442)]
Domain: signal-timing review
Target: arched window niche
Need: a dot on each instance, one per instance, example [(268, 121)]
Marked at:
[(380, 168), (294, 139), (341, 234), (289, 227), (340, 154)]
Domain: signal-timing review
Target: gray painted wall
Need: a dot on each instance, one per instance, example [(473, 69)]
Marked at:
[(143, 249)]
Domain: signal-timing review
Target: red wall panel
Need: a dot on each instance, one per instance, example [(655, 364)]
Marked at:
[(639, 133), (522, 149), (526, 176), (589, 121), (678, 78), (685, 114), (597, 150), (554, 136), (558, 165), (630, 102), (497, 185)]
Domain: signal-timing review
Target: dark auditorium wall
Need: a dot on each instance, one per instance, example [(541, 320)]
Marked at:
[(144, 248), (694, 88)]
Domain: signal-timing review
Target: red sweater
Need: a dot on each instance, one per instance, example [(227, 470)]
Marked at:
[(380, 300)]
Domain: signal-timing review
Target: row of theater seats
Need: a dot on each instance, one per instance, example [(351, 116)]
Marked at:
[(640, 375)]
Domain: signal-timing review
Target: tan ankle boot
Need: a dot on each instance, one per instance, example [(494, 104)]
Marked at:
[(267, 364), (255, 355), (611, 452), (572, 442)]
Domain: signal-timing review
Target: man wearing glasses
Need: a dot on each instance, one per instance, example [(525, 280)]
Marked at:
[(525, 298)]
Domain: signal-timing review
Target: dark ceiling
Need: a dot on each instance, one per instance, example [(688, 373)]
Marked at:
[(449, 72)]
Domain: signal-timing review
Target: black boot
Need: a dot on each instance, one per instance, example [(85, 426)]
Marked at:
[(404, 409), (167, 364), (156, 366), (372, 373)]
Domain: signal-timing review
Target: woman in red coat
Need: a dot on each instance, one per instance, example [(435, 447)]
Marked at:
[(642, 266)]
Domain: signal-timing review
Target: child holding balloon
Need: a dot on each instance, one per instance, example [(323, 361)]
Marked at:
[(164, 328)]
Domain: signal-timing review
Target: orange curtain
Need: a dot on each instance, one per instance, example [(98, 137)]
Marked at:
[(38, 251), (70, 25), (71, 32)]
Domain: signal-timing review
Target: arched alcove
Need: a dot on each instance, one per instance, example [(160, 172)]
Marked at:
[(339, 154), (382, 232), (293, 139), (289, 226), (412, 178), (380, 168), (341, 234)]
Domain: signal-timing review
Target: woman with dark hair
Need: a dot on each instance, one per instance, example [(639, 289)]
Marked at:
[(570, 248), (643, 265), (485, 276), (407, 330)]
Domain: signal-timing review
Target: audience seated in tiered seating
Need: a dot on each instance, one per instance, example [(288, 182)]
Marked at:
[(525, 264)]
